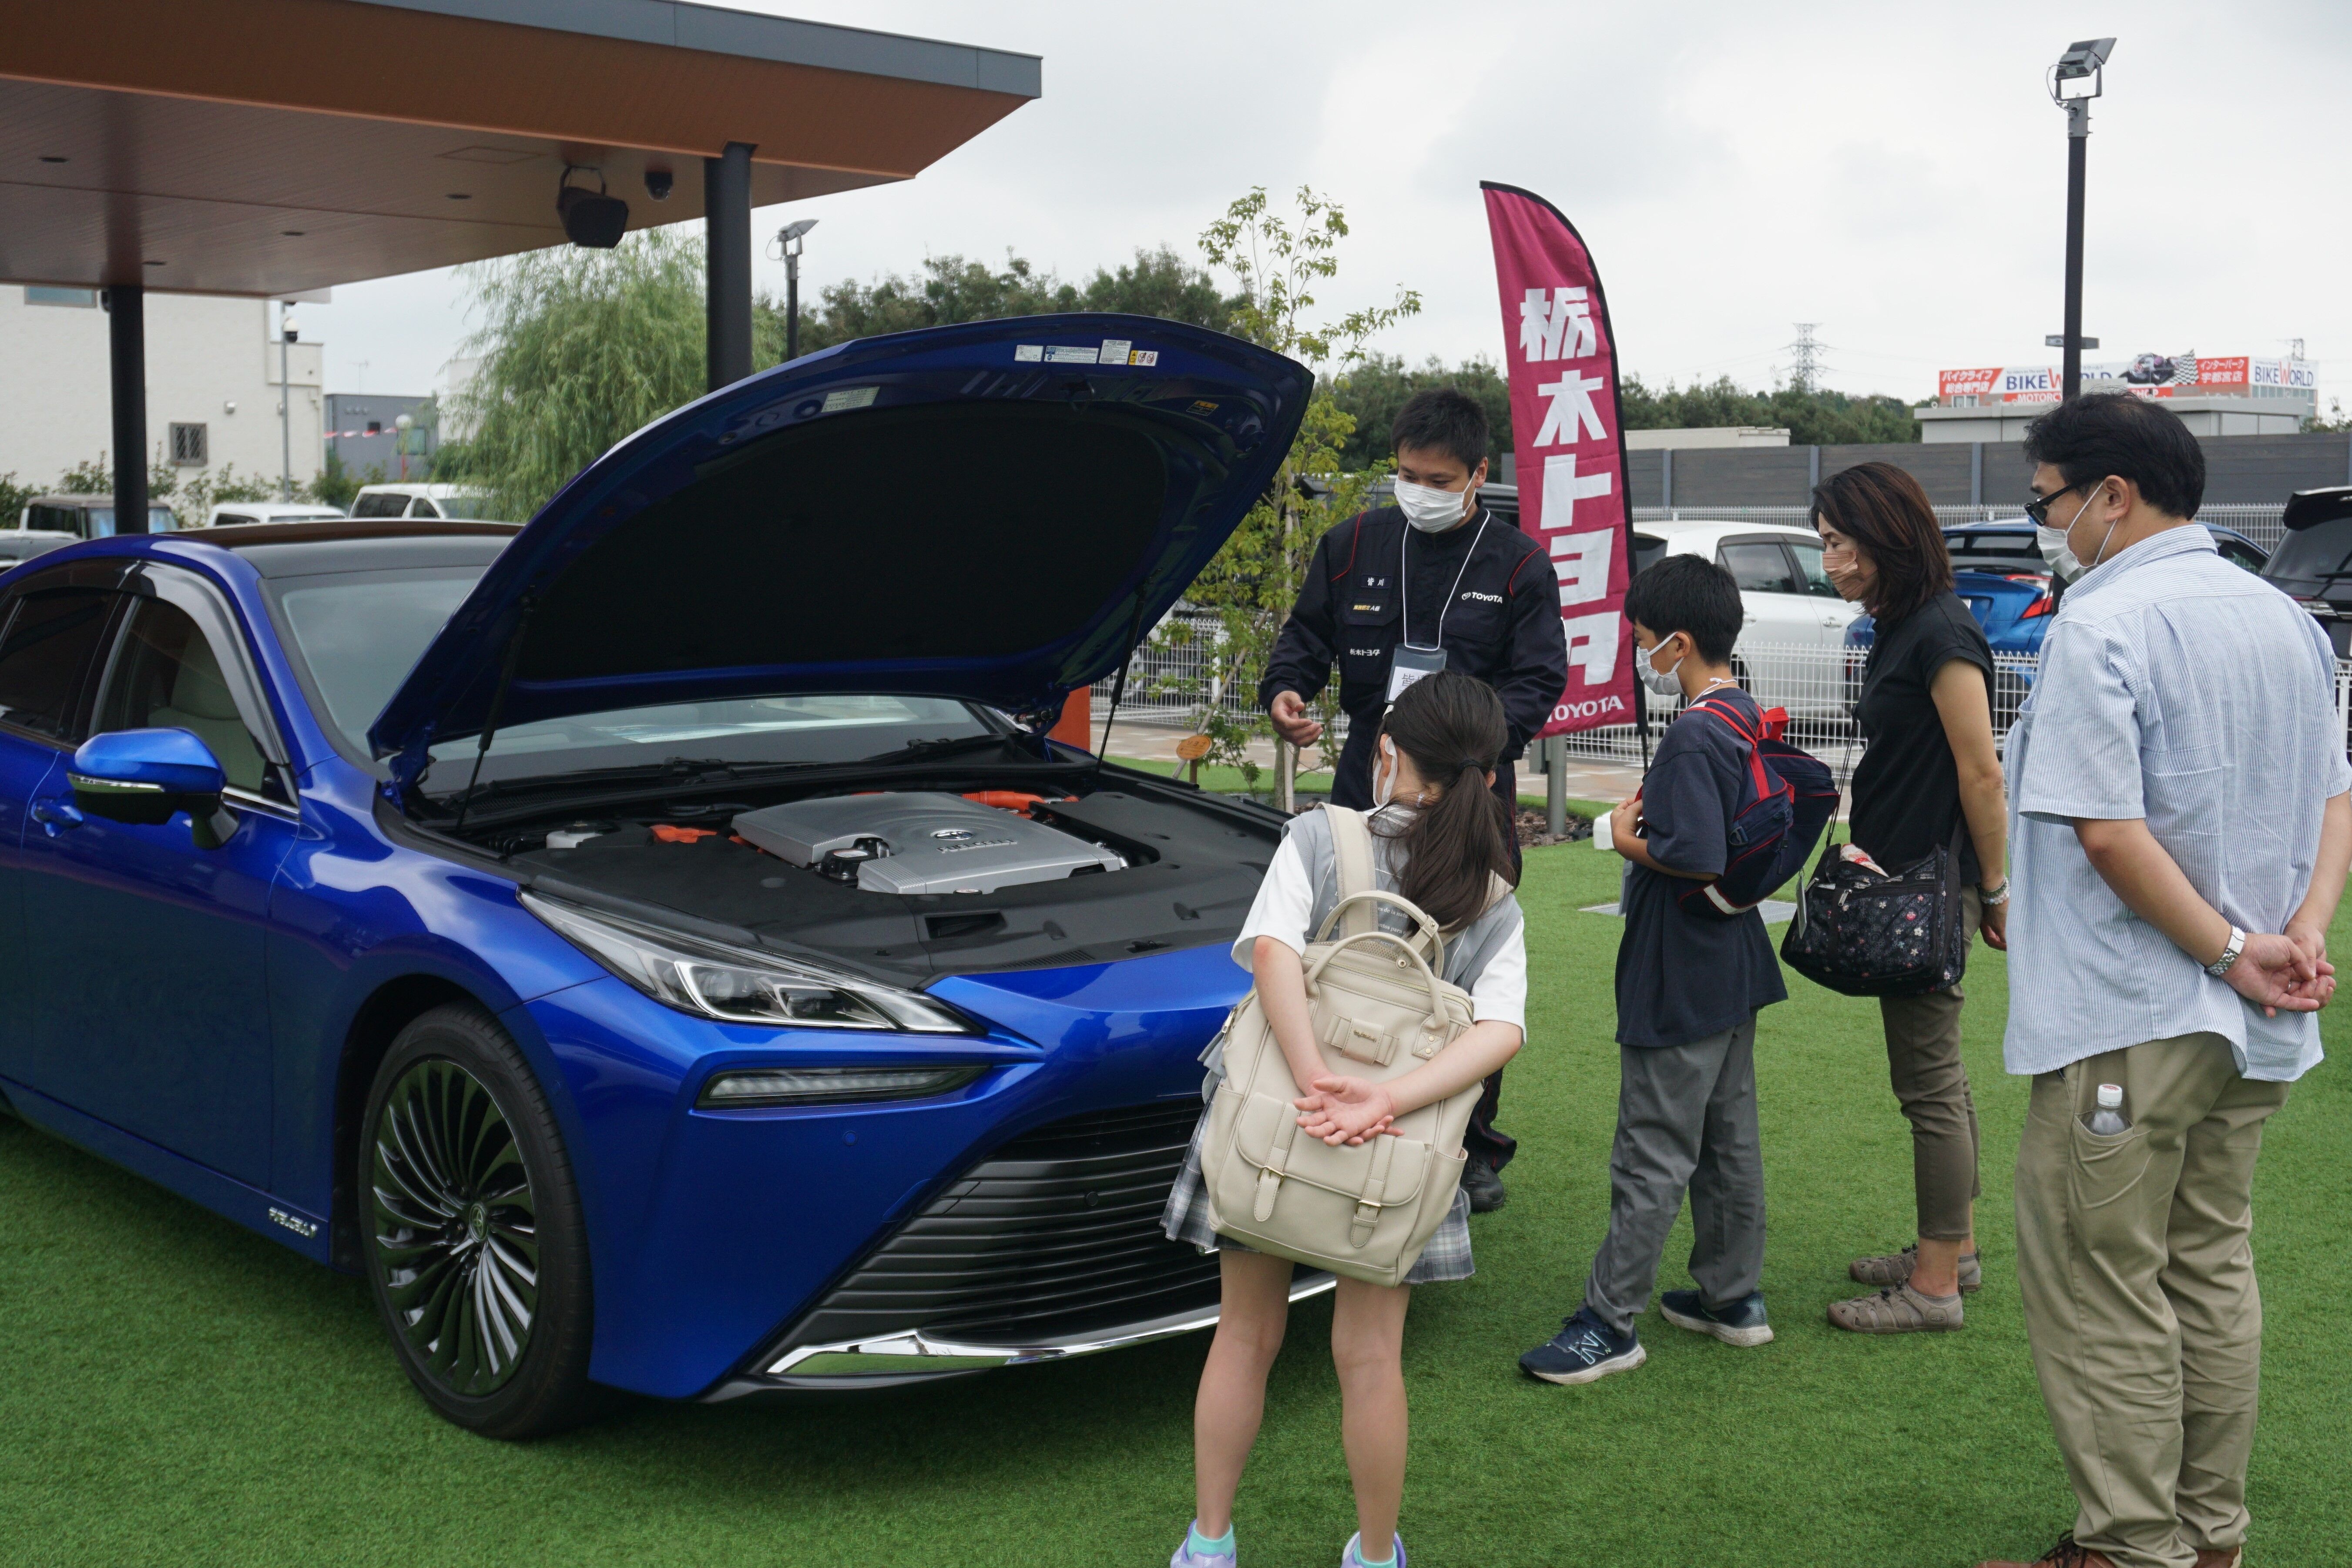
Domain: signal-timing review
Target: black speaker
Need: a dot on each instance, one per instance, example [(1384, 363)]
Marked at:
[(591, 218)]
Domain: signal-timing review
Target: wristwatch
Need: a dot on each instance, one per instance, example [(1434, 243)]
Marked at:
[(1993, 897), (2219, 967)]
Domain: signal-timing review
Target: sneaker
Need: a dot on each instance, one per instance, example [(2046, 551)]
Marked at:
[(1585, 1349), (1898, 1309), (1484, 1185), (1354, 1556), (1187, 1558), (1894, 1269), (1742, 1323)]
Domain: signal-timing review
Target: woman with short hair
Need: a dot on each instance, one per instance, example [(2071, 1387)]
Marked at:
[(1926, 712)]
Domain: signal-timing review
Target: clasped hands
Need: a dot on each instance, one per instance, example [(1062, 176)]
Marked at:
[(1346, 1109), (2287, 970)]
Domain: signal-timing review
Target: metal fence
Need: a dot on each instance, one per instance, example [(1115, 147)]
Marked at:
[(2259, 523), (1817, 684)]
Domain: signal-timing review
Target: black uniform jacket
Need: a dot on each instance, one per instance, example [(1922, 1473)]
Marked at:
[(1368, 581)]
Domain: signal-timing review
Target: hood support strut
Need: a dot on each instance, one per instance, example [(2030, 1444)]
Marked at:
[(497, 707), (1119, 686)]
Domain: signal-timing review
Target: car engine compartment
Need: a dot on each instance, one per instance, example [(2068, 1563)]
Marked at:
[(929, 879)]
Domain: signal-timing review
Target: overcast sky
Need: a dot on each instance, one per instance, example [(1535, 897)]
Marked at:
[(1894, 174)]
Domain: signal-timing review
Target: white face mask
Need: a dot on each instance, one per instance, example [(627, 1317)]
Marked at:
[(2058, 552), (1661, 683), (1429, 509)]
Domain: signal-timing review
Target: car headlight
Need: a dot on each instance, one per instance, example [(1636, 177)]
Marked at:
[(737, 985)]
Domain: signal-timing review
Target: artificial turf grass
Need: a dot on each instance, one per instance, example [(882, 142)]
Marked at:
[(183, 1391)]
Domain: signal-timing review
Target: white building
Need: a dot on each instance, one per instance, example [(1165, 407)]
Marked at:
[(212, 387)]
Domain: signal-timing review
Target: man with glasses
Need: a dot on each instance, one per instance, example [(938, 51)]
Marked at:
[(2180, 831)]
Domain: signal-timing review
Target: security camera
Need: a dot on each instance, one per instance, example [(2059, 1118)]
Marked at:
[(658, 183)]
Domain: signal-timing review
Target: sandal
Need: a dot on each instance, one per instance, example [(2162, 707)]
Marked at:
[(1894, 1269), (1898, 1309)]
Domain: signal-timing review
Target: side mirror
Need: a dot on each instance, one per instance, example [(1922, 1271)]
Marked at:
[(144, 776)]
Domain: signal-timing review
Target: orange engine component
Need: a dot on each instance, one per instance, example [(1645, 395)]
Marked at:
[(674, 835), (1010, 800)]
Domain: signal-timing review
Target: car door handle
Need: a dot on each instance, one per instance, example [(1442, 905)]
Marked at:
[(56, 816)]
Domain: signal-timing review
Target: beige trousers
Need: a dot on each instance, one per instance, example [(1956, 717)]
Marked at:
[(1923, 1062), (2138, 1283)]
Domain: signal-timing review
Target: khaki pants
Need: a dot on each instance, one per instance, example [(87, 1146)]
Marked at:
[(2138, 1283), (1923, 1062)]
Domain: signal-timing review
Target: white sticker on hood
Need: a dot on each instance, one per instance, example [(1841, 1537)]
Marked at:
[(1069, 354), (849, 397), (1028, 354), (1144, 357), (1114, 351)]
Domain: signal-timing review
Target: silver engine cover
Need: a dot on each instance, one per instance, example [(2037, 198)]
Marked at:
[(938, 842)]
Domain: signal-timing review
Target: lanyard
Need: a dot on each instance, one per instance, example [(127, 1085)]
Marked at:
[(1404, 591)]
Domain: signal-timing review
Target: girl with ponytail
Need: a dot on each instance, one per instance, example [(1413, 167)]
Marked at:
[(1441, 839)]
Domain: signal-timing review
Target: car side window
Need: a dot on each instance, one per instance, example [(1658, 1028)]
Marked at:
[(1809, 569), (379, 505), (1758, 568), (45, 654), (167, 675), (422, 508)]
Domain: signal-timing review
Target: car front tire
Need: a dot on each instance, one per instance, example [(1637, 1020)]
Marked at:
[(471, 1232)]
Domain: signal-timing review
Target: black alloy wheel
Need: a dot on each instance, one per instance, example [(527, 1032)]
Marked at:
[(471, 1230), (456, 1232)]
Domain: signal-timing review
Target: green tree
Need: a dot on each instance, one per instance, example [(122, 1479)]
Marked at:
[(949, 289), (578, 349), (335, 484), (13, 497), (2335, 422), (1276, 263), (192, 502), (1818, 417), (1377, 386)]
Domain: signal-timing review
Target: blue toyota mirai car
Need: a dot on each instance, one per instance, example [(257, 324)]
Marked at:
[(660, 947)]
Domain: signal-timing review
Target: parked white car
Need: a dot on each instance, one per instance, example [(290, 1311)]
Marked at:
[(1790, 651), (239, 514), (420, 501)]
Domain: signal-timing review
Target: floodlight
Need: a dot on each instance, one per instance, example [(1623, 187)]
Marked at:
[(2077, 74)]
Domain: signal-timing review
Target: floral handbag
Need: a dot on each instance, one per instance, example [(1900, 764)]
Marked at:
[(1868, 932)]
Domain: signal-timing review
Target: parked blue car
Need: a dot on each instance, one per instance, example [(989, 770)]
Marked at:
[(660, 948), (2001, 575)]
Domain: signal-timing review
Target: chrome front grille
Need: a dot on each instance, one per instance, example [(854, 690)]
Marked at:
[(1056, 1234)]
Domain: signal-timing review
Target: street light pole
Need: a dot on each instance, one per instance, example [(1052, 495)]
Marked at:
[(789, 240), (2075, 80)]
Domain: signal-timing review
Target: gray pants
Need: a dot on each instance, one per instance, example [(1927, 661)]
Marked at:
[(1686, 1120)]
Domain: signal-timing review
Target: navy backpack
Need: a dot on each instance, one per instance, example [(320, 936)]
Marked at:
[(1787, 796)]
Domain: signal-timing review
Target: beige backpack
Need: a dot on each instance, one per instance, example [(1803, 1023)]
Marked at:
[(1380, 1010)]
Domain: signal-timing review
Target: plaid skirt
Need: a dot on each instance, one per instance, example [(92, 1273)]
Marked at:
[(1186, 1219)]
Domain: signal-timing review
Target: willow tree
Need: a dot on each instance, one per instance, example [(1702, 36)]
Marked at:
[(1276, 262), (578, 349)]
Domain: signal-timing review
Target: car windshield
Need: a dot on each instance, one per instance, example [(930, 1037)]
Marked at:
[(357, 635), (2314, 554), (467, 508), (380, 505)]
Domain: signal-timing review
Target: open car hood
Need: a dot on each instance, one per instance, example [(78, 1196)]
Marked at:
[(986, 511)]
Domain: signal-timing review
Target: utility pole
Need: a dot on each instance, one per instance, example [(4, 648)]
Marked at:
[(285, 401), (2075, 80)]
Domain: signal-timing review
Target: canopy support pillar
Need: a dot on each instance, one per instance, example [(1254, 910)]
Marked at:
[(727, 219), (126, 343)]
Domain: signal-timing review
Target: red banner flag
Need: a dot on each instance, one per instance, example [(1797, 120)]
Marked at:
[(1561, 357)]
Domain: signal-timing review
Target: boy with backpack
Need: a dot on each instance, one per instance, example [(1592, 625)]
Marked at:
[(1690, 976)]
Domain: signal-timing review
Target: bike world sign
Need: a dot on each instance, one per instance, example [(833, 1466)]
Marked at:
[(2147, 375), (1561, 363)]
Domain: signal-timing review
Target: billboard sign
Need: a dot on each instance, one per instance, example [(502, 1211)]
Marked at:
[(2149, 375)]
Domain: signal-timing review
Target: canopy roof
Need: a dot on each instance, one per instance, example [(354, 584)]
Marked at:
[(271, 147)]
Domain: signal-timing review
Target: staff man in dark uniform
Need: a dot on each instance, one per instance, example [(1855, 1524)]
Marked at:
[(1434, 582)]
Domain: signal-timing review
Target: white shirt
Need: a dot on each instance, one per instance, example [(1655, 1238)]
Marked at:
[(1284, 910)]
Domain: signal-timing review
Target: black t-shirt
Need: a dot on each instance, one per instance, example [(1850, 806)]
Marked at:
[(1906, 789), (1681, 976)]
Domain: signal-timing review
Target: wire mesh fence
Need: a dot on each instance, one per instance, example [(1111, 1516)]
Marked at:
[(1817, 684)]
